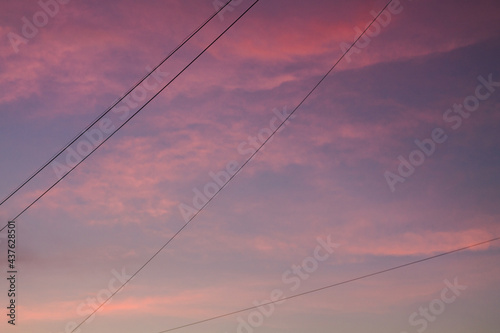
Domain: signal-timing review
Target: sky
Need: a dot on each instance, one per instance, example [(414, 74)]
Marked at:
[(392, 159)]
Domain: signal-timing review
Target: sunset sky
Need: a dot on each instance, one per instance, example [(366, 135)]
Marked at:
[(395, 157)]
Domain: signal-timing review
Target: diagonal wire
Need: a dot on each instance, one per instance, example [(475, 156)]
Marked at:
[(185, 225), (246, 162), (97, 147), (333, 285), (188, 38)]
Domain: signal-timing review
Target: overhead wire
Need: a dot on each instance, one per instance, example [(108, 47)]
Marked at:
[(246, 162), (332, 285), (55, 156), (185, 225), (78, 136), (225, 184)]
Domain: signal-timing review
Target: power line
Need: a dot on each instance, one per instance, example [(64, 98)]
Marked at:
[(332, 285), (107, 111), (185, 225), (246, 162), (188, 38)]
